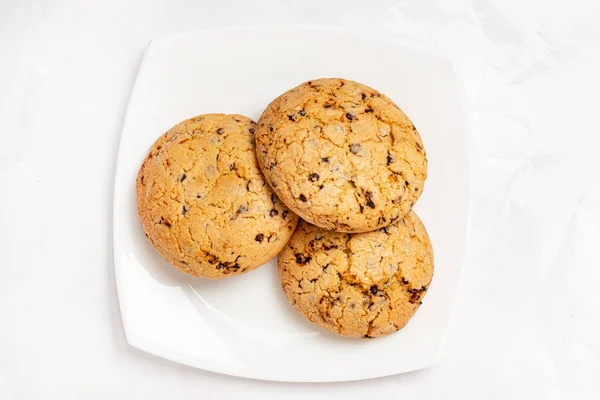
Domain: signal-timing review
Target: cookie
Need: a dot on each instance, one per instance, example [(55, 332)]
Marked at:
[(341, 155), (203, 202), (362, 285)]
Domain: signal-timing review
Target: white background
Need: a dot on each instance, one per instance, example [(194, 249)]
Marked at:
[(527, 320)]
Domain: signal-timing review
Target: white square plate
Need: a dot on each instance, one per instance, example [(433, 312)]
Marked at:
[(244, 326)]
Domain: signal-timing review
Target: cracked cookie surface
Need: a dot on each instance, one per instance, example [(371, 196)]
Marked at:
[(203, 202), (362, 285), (341, 155)]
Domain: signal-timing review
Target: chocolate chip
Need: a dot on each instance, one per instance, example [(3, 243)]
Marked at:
[(220, 131), (270, 129), (273, 213), (350, 115), (325, 159), (291, 117), (390, 159), (302, 259), (248, 186), (404, 281), (313, 177), (363, 96), (198, 195), (361, 207), (352, 183), (302, 113), (367, 337), (329, 247), (259, 238), (272, 165), (274, 198), (251, 130), (313, 280), (373, 289), (184, 209), (368, 110), (324, 267), (414, 297), (241, 209), (165, 222), (328, 105), (369, 197), (405, 183), (284, 214), (354, 148), (321, 187), (302, 198), (227, 266), (182, 177)]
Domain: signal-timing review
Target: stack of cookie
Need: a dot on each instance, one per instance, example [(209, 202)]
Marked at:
[(219, 195)]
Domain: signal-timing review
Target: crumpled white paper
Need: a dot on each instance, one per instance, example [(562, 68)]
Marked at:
[(527, 321)]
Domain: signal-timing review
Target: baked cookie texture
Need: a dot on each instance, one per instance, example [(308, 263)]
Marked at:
[(363, 285), (203, 202), (341, 155)]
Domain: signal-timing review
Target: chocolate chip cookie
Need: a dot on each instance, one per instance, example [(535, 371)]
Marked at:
[(341, 155), (362, 285), (203, 202)]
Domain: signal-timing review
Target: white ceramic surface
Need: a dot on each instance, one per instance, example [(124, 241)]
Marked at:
[(244, 326)]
